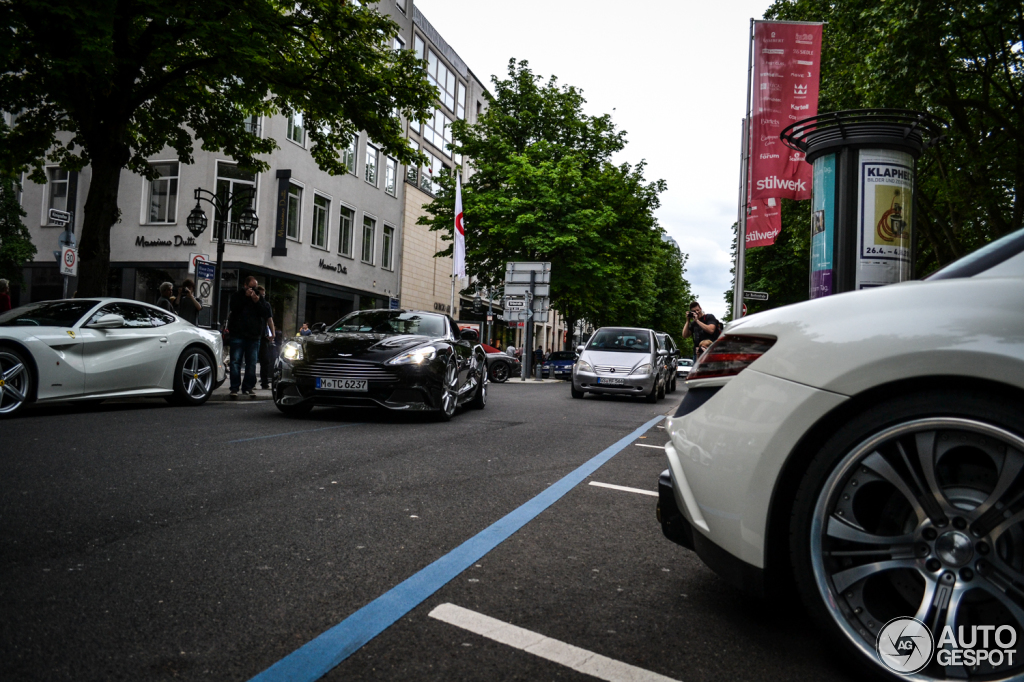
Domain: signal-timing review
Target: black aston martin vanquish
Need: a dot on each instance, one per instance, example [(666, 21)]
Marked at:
[(398, 359)]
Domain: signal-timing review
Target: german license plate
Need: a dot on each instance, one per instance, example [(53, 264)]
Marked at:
[(358, 385), (611, 382)]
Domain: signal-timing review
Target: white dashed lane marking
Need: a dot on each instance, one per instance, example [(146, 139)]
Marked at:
[(624, 488), (645, 445), (580, 660)]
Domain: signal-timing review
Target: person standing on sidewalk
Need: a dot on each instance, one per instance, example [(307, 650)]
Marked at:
[(5, 296), (266, 347), (246, 322), (188, 305)]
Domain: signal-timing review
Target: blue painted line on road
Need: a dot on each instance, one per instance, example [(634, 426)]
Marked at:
[(317, 657), (292, 433)]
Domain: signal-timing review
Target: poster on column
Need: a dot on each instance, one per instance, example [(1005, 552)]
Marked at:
[(823, 205), (884, 201), (787, 60)]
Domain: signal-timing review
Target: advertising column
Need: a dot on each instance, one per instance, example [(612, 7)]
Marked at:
[(885, 193), (823, 225)]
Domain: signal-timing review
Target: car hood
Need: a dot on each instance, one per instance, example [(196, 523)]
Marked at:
[(370, 347), (615, 358), (849, 343)]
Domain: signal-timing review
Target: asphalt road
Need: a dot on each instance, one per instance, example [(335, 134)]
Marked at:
[(140, 541)]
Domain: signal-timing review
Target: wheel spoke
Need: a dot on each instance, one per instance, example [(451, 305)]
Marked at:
[(881, 466), (950, 621), (14, 372), (841, 530), (1013, 462), (203, 371), (1003, 598), (14, 392), (924, 610), (844, 579)]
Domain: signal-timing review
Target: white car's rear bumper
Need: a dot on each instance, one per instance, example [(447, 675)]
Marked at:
[(726, 455)]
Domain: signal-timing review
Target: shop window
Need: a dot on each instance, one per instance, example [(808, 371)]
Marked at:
[(163, 193)]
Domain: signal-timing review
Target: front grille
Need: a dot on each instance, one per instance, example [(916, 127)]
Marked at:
[(608, 369), (340, 368)]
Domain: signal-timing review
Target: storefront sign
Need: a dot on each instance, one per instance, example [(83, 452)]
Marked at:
[(787, 59), (177, 241), (281, 222), (337, 267), (885, 197), (441, 307)]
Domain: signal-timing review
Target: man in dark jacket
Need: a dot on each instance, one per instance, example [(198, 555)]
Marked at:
[(246, 322)]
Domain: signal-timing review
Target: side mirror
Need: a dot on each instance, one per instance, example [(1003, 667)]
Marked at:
[(318, 328), (579, 349), (675, 353), (662, 352), (108, 321), (468, 335)]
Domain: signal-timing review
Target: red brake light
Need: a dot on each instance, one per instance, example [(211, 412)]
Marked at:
[(730, 355)]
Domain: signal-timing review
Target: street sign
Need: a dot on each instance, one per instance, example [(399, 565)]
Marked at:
[(518, 303), (194, 258), (59, 217), (69, 262), (206, 273), (524, 289), (519, 273), (755, 295)]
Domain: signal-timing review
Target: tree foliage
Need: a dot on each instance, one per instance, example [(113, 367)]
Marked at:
[(109, 83), (962, 62), (16, 247), (543, 188)]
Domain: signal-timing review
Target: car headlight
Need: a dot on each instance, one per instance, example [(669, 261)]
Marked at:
[(730, 355), (546, 366), (583, 366), (642, 369), (416, 356), (292, 351)]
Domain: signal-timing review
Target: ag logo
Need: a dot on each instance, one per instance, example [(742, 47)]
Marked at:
[(905, 645)]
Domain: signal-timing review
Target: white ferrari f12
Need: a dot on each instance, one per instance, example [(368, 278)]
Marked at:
[(97, 348)]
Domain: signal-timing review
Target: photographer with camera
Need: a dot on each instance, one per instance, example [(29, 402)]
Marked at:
[(701, 327), (188, 305)]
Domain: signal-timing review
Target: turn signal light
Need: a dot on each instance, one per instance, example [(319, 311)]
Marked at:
[(729, 356)]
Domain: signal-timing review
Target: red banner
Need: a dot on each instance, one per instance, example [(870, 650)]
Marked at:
[(787, 60), (764, 222)]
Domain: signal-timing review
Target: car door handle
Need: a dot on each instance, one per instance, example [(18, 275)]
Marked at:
[(163, 339)]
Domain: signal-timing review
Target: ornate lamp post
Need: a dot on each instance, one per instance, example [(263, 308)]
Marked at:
[(246, 221)]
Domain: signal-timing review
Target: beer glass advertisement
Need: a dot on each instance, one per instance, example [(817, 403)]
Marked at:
[(886, 193), (823, 201)]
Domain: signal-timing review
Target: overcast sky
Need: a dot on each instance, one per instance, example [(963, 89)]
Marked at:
[(674, 71)]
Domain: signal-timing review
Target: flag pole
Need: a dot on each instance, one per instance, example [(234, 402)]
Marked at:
[(741, 232)]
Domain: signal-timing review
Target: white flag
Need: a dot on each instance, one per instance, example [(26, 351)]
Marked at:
[(459, 259)]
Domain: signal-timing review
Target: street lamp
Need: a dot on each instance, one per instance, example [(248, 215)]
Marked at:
[(247, 222)]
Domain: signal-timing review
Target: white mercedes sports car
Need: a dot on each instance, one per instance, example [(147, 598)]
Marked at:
[(97, 348), (867, 450)]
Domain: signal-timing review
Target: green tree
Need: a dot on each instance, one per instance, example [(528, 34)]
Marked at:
[(543, 188), (108, 83), (16, 247)]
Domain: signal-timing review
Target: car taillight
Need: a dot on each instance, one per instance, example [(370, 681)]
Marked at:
[(730, 355)]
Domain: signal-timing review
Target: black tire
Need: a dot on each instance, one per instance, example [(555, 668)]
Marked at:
[(194, 377), (299, 410), (862, 556), (661, 391), (479, 400), (672, 389), (576, 393), (449, 398), (500, 372), (16, 382)]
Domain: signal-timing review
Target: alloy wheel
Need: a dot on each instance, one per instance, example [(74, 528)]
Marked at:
[(197, 375), (499, 373), (449, 395), (15, 381), (926, 520)]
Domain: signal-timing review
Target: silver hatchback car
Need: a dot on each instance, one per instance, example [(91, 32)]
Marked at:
[(621, 361)]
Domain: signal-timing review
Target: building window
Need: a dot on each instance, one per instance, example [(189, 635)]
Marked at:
[(163, 193), (460, 102), (321, 213), (400, 4), (438, 131), (296, 131), (398, 44), (387, 246), (369, 233), (412, 173), (432, 171), (252, 124), (348, 155), (443, 78), (294, 212), (56, 192), (390, 175), (234, 181), (371, 165), (345, 231), (418, 47)]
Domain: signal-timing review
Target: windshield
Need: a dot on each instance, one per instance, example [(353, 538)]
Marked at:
[(625, 340), (390, 322), (983, 259), (562, 355), (47, 314)]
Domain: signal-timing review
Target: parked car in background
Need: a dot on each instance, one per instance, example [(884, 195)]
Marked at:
[(868, 448), (621, 361), (671, 360), (90, 349), (683, 367), (559, 364), (501, 366), (408, 360)]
